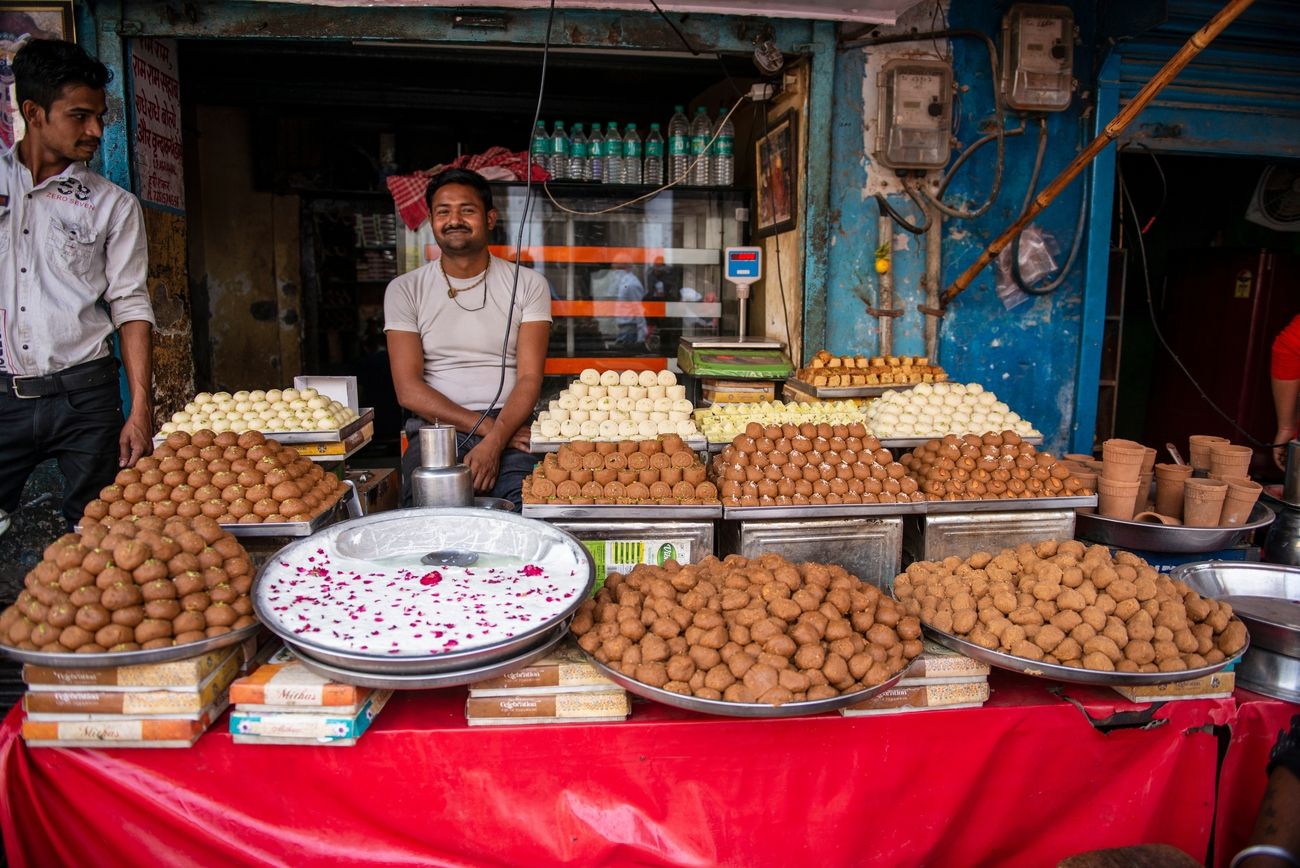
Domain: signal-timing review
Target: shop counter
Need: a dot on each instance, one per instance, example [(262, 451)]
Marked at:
[(1025, 780)]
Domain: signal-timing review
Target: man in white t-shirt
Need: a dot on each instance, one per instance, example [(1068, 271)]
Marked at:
[(446, 323)]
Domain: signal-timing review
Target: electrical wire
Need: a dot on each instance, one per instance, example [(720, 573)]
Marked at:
[(673, 24), (1076, 244), (780, 278), (1155, 325), (519, 243), (903, 223), (655, 192)]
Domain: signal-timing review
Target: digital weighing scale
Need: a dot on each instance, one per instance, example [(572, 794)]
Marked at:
[(742, 357)]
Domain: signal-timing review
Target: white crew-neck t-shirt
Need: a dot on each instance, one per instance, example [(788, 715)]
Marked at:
[(462, 343)]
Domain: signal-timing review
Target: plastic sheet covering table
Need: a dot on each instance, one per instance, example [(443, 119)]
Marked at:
[(1025, 780), (1242, 780)]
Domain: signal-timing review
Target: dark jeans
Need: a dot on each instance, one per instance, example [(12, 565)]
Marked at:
[(515, 465), (79, 429)]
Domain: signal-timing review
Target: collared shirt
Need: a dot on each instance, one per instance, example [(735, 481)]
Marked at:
[(73, 264)]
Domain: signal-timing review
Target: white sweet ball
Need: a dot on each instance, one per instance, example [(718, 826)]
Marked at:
[(609, 378), (1001, 407), (569, 428), (589, 429), (580, 416), (620, 415), (589, 377), (627, 429), (942, 388), (618, 391), (666, 378), (587, 403), (608, 429), (202, 397), (274, 395)]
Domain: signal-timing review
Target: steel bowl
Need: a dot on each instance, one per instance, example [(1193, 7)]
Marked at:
[(1274, 675), (431, 528), (1265, 596), (110, 659), (742, 709), (1122, 534), (431, 681), (497, 503)]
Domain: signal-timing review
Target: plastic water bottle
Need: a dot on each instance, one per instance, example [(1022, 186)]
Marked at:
[(541, 146), (701, 130), (679, 145), (578, 167), (654, 157), (596, 155), (723, 170), (631, 156), (559, 152), (613, 155)]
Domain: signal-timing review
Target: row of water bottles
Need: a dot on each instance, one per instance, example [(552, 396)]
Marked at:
[(614, 157)]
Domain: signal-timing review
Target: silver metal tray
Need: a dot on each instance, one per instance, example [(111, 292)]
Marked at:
[(836, 392), (1120, 533), (1265, 596), (597, 511), (1271, 674), (109, 659), (838, 510), (698, 444), (913, 442), (1010, 504), (454, 678), (1057, 672), (348, 501), (290, 438), (742, 709), (379, 664)]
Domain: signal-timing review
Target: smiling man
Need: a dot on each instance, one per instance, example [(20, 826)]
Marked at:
[(72, 271), (446, 323)]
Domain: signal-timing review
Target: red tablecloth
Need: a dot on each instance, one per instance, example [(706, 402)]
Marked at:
[(1242, 779), (1025, 780)]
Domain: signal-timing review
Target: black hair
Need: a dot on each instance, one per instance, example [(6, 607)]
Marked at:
[(44, 67), (468, 177)]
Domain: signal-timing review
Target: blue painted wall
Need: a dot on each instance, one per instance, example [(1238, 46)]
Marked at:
[(1028, 355)]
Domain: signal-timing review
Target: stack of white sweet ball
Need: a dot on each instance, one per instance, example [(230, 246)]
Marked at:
[(937, 409), (274, 410), (618, 405), (722, 422)]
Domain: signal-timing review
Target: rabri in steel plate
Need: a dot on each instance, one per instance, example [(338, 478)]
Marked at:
[(359, 595)]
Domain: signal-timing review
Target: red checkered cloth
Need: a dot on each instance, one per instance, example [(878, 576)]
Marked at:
[(495, 164)]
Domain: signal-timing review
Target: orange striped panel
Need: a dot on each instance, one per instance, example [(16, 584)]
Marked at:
[(597, 255), (555, 367), (653, 309)]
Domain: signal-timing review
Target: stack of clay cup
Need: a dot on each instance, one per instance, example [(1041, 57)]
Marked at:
[(1086, 468), (1226, 496), (1119, 487), (1170, 482)]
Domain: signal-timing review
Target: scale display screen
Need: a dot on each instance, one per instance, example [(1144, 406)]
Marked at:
[(744, 265)]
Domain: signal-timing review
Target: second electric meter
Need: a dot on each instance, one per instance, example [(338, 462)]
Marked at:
[(1038, 57), (915, 120)]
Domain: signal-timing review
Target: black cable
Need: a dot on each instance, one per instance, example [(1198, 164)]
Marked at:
[(780, 278), (903, 223), (519, 240), (969, 152), (1155, 326), (1076, 244), (673, 24)]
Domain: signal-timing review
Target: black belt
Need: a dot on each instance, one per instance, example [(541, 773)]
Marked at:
[(75, 378)]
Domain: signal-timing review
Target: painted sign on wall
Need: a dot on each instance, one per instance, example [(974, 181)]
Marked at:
[(156, 100)]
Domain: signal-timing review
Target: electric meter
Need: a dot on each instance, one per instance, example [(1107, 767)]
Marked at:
[(915, 122), (1038, 57)]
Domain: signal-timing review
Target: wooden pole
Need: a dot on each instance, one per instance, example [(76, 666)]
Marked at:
[(1198, 41)]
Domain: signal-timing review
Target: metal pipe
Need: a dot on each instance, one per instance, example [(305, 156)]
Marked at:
[(933, 274), (885, 236), (1194, 46)]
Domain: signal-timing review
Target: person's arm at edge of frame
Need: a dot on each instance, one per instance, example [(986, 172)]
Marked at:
[(1276, 838), (134, 442), (512, 428), (406, 363), (1285, 394), (127, 295)]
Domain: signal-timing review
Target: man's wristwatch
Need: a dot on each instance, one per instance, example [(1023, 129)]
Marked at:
[(1286, 752)]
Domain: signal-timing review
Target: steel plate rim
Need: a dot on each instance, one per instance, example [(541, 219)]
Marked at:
[(431, 681), (1010, 504), (1181, 572), (467, 512), (1162, 538), (723, 708), (114, 659), (839, 510), (1057, 672), (598, 511)]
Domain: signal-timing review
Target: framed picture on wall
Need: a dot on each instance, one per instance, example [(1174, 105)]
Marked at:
[(38, 19), (776, 162)]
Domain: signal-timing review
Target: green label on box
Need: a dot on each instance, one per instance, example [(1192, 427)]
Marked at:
[(620, 556)]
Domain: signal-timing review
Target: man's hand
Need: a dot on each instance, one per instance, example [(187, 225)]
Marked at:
[(1283, 435), (522, 438), (484, 460), (135, 440)]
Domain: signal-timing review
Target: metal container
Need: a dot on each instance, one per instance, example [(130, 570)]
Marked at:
[(1265, 596), (1291, 488), (1282, 542), (1122, 534), (869, 548), (935, 537), (620, 545), (439, 480), (109, 659), (1271, 674), (744, 709), (409, 532)]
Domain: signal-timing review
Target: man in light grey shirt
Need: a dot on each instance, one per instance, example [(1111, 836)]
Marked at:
[(73, 265)]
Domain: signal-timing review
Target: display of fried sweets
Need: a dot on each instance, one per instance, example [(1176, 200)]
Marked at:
[(825, 369), (234, 478), (761, 630), (663, 472), (818, 465), (988, 467), (127, 584), (1075, 606)]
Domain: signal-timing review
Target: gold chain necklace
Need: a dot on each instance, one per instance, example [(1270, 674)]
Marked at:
[(453, 292)]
